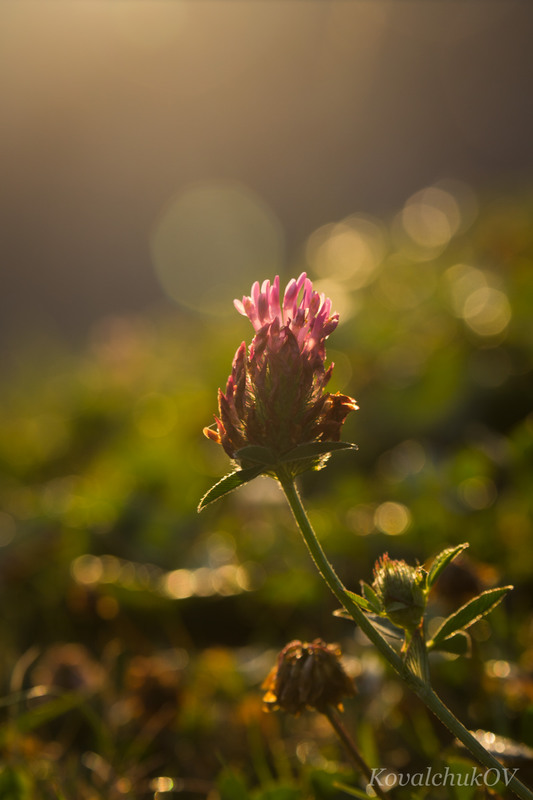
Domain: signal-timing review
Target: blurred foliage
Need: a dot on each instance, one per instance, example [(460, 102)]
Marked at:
[(136, 633)]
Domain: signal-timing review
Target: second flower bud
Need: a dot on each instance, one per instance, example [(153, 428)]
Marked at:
[(401, 591)]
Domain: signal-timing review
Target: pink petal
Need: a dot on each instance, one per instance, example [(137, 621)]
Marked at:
[(255, 292), (301, 280), (289, 301), (262, 308), (274, 298)]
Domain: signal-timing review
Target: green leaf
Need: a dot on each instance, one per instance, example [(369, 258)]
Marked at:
[(458, 644), (441, 561), (381, 624), (358, 600), (470, 613), (315, 450), (384, 626), (397, 605), (350, 790), (261, 455), (343, 614), (230, 482), (17, 697), (47, 710), (371, 596)]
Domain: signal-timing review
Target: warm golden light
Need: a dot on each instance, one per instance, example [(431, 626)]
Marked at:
[(487, 311), (349, 251), (392, 518), (210, 240), (431, 217)]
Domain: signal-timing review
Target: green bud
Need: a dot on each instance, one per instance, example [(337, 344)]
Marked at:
[(401, 590)]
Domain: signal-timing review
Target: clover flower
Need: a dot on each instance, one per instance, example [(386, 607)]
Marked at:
[(401, 591), (307, 675), (275, 396)]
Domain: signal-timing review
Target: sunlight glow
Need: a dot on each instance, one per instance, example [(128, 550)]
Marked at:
[(348, 251), (392, 518), (487, 311), (224, 580), (209, 240), (431, 217), (484, 308), (162, 784), (498, 669)]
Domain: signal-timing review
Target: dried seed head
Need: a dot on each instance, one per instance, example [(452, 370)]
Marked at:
[(307, 675)]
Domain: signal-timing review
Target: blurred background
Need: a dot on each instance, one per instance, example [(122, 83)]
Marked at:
[(140, 139), (157, 158)]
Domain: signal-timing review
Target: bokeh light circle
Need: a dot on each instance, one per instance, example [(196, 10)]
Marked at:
[(431, 217), (392, 518), (211, 242), (349, 251)]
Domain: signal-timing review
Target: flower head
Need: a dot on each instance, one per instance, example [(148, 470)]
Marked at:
[(307, 675), (401, 590), (275, 396), (307, 315)]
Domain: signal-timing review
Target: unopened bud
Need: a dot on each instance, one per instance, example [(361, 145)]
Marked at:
[(401, 590)]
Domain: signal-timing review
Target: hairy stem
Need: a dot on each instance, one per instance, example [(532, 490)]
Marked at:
[(422, 689), (333, 580), (352, 750)]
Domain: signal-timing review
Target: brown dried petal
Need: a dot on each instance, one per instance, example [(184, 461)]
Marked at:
[(307, 675)]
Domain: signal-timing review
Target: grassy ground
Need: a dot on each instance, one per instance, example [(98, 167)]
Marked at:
[(136, 633)]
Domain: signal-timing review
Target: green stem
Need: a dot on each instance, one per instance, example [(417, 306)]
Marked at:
[(423, 690), (352, 750), (335, 583)]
